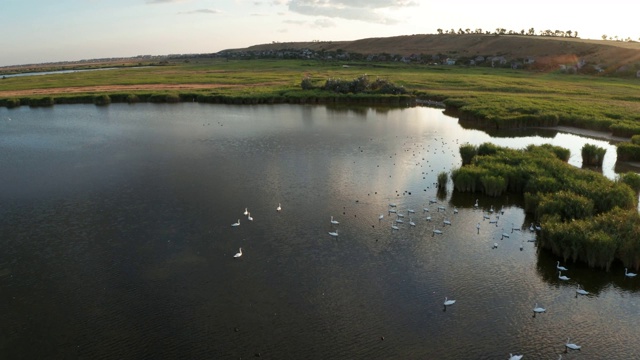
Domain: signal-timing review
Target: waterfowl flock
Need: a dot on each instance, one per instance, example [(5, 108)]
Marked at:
[(443, 212)]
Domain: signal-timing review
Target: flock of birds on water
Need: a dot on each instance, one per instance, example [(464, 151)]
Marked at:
[(492, 220)]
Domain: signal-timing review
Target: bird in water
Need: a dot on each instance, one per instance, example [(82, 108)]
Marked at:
[(236, 223), (238, 254), (279, 207)]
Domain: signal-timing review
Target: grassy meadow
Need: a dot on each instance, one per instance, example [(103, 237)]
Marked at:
[(498, 98)]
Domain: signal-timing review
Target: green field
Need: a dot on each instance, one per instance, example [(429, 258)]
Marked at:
[(499, 98)]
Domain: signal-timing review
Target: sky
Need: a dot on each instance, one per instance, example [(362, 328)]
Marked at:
[(41, 31)]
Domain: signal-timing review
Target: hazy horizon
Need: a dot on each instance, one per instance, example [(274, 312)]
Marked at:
[(75, 30)]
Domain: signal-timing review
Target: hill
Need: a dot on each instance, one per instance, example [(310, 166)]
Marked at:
[(512, 47)]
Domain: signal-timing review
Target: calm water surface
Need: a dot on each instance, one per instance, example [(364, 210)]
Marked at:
[(116, 241)]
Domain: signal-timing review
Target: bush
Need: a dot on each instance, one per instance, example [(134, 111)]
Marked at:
[(443, 178), (102, 100), (632, 180), (592, 155), (467, 152), (628, 152)]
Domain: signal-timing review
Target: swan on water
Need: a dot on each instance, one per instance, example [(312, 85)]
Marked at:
[(562, 277), (446, 222), (238, 254), (448, 302), (561, 268), (428, 218), (572, 346), (279, 207), (246, 212), (515, 357), (538, 310), (333, 233), (436, 231), (411, 222), (381, 217), (334, 222), (455, 210), (581, 291), (629, 274), (394, 227), (236, 223), (476, 204), (249, 217)]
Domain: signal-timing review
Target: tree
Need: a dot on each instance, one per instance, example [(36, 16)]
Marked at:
[(439, 31), (604, 37), (532, 31), (568, 32)]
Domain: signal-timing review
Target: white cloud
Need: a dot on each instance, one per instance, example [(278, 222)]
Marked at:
[(163, 1), (323, 23), (201, 11), (362, 10)]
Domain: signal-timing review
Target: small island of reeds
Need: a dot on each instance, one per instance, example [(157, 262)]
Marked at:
[(584, 216)]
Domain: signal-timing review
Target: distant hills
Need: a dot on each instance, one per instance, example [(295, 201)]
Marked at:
[(548, 50)]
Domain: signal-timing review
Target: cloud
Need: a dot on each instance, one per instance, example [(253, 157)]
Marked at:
[(200, 11), (362, 10), (323, 23), (163, 1)]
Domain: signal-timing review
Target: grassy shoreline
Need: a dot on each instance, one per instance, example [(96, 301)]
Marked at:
[(495, 98)]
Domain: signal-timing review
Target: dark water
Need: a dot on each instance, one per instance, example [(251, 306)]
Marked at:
[(116, 241)]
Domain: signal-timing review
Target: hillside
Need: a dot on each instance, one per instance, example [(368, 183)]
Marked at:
[(610, 53)]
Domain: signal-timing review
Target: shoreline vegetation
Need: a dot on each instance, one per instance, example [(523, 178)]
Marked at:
[(583, 215), (480, 97)]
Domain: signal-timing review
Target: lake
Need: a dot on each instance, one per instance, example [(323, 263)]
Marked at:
[(116, 240)]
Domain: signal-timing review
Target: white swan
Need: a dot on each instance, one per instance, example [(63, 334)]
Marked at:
[(236, 223), (515, 357), (538, 310), (442, 208), (425, 209), (246, 212), (581, 291), (446, 222), (428, 218), (334, 222), (381, 217), (249, 217), (495, 246), (393, 211), (448, 302), (561, 268), (279, 207), (562, 277), (436, 231), (531, 228), (478, 226), (514, 228), (238, 254), (491, 210), (476, 204), (572, 346), (392, 205), (504, 234), (411, 222), (411, 211), (628, 274), (399, 221), (394, 227), (333, 233)]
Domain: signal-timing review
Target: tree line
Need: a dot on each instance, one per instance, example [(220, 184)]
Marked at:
[(530, 32)]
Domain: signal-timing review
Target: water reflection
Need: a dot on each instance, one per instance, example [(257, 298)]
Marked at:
[(117, 240)]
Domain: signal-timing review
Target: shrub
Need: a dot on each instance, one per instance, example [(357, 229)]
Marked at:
[(592, 155), (102, 100)]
